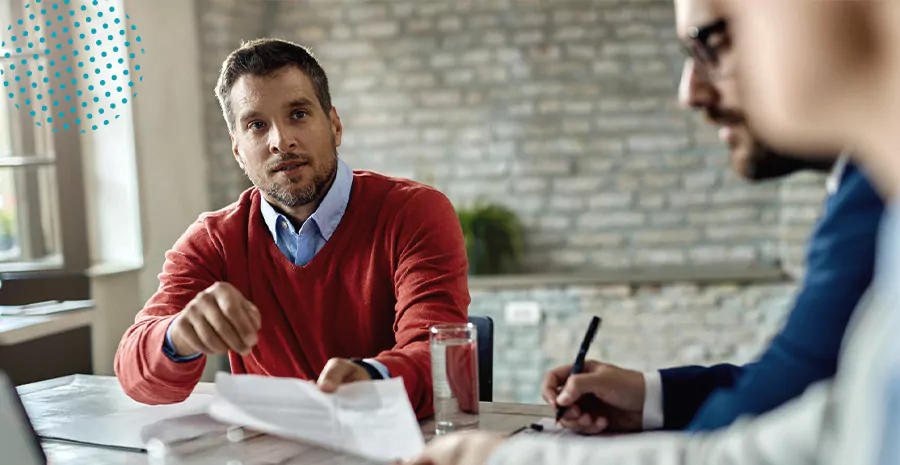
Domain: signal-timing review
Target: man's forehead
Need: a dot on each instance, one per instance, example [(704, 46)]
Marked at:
[(697, 13), (286, 85)]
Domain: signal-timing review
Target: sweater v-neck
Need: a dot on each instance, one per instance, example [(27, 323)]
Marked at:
[(320, 257)]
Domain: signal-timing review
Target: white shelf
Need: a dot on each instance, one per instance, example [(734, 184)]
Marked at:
[(18, 329)]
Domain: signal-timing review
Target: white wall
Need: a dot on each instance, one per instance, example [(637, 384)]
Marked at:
[(169, 152), (168, 131)]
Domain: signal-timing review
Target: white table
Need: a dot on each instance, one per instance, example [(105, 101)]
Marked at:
[(66, 399)]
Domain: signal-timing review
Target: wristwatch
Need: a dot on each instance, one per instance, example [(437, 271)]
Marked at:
[(372, 371)]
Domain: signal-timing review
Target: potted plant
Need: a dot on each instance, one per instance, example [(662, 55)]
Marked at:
[(493, 238)]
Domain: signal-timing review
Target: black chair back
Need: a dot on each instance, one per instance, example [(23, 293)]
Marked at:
[(484, 326)]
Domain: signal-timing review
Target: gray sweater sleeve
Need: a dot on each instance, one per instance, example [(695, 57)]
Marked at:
[(786, 436)]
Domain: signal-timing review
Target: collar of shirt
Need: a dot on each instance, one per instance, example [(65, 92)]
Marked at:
[(330, 211), (833, 182)]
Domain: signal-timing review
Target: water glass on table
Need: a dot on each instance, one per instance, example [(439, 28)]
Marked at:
[(454, 366)]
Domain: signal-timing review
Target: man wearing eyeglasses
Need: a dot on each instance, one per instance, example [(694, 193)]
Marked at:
[(707, 86), (840, 264)]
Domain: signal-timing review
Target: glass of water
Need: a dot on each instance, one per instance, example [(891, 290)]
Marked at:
[(454, 367)]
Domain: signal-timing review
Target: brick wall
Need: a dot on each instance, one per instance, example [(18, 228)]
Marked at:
[(645, 327), (565, 111)]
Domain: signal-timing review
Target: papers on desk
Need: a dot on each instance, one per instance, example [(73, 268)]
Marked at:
[(371, 419), (123, 430)]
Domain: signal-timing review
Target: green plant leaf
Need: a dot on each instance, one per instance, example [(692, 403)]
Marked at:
[(494, 238)]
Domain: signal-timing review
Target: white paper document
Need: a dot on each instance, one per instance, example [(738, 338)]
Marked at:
[(124, 429), (183, 428), (371, 419)]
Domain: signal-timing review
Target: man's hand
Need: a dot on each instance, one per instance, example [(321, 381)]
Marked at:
[(340, 371), (468, 448), (219, 319), (602, 398)]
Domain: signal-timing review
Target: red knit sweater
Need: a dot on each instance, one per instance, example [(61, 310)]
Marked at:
[(395, 265)]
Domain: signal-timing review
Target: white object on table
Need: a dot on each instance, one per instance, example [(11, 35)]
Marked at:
[(123, 430), (371, 419)]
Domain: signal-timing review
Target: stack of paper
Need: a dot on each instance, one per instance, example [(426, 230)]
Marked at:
[(128, 429), (371, 419)]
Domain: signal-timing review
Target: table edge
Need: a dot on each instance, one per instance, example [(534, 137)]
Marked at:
[(44, 385)]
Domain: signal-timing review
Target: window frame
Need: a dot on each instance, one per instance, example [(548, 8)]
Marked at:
[(66, 277)]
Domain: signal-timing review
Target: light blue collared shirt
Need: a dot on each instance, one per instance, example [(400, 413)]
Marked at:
[(301, 246)]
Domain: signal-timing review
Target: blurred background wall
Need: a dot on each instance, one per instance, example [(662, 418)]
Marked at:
[(552, 125), (564, 112)]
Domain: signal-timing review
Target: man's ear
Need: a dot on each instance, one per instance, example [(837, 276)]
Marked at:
[(235, 151), (337, 128)]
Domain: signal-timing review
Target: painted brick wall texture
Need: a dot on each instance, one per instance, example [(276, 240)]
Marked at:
[(565, 111), (644, 327)]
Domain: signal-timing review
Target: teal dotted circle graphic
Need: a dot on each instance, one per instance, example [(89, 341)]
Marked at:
[(83, 53)]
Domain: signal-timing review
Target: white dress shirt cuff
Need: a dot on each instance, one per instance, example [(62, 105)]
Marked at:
[(653, 401), (379, 366)]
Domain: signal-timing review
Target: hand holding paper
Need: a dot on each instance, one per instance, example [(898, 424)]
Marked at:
[(372, 419), (340, 371)]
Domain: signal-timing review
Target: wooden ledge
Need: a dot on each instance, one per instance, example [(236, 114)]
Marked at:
[(643, 276)]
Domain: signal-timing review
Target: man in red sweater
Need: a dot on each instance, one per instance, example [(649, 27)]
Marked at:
[(317, 272)]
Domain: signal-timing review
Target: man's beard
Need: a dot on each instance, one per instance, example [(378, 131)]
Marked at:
[(764, 162), (289, 195)]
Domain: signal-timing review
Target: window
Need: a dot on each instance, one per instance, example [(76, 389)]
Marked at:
[(42, 205)]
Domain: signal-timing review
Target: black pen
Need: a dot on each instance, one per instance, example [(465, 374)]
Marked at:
[(578, 367)]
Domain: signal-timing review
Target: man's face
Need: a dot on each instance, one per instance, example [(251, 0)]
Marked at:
[(709, 85), (812, 67), (282, 138)]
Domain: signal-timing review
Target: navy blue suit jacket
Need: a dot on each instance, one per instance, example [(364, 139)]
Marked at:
[(840, 263)]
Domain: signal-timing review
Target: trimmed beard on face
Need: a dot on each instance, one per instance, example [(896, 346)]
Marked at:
[(765, 163), (311, 192)]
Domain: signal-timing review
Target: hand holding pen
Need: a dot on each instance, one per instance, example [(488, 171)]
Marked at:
[(596, 398), (578, 366)]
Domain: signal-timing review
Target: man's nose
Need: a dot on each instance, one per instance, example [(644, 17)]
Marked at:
[(696, 90), (282, 141)]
